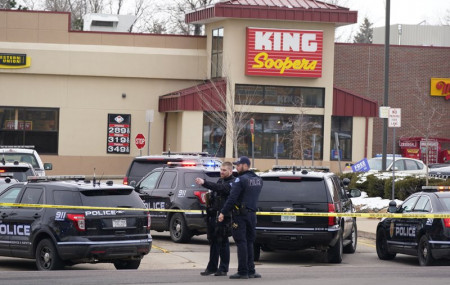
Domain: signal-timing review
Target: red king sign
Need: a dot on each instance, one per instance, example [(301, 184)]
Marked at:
[(285, 53)]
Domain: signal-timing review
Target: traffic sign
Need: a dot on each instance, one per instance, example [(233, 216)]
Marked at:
[(140, 141), (395, 118)]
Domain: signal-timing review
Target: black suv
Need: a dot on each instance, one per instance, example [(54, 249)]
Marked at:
[(297, 191), (142, 165), (60, 236), (175, 188)]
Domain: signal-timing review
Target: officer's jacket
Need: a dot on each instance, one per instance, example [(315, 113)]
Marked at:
[(220, 191), (244, 191)]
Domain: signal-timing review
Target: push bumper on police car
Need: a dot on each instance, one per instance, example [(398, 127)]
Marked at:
[(79, 249)]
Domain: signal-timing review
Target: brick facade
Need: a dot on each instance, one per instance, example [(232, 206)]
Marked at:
[(360, 68)]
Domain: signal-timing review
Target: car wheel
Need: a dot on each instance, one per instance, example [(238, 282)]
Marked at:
[(127, 264), (335, 252), (424, 252), (382, 247), (47, 257), (351, 247), (256, 251), (179, 231)]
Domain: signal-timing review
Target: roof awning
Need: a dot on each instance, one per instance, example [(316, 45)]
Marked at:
[(349, 104), (280, 10), (206, 96)]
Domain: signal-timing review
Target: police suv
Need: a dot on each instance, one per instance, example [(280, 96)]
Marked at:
[(174, 188), (294, 190), (69, 229), (426, 238)]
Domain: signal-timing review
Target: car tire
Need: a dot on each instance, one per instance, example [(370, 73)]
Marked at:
[(351, 247), (179, 231), (47, 257), (127, 264), (382, 247), (424, 252), (336, 252), (256, 251)]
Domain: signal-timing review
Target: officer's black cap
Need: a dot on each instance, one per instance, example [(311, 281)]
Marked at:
[(242, 160)]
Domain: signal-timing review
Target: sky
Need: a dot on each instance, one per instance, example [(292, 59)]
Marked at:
[(414, 12)]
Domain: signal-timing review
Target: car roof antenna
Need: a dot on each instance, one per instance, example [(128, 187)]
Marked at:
[(93, 179), (101, 177)]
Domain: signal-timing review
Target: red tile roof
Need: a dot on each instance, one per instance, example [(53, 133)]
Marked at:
[(283, 10)]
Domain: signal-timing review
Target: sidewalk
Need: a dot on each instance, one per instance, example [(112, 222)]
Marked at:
[(367, 227)]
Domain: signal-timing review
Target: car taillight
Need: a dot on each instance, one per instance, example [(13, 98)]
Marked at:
[(125, 180), (201, 196), (332, 220), (149, 221), (447, 222), (78, 220)]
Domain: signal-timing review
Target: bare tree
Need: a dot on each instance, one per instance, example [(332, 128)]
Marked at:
[(431, 116), (176, 11), (230, 114)]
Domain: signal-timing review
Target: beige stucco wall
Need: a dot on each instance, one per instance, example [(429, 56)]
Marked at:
[(85, 75)]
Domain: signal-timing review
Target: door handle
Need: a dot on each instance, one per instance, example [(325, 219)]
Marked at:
[(4, 215), (37, 215), (170, 194)]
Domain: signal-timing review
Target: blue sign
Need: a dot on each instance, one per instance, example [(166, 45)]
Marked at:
[(361, 166)]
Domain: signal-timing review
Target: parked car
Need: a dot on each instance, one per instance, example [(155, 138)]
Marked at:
[(302, 191), (60, 236), (426, 238), (440, 172), (142, 165), (173, 187), (25, 154), (403, 167), (16, 170)]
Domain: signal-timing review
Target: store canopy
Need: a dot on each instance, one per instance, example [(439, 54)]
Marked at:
[(278, 10), (210, 95), (349, 104)]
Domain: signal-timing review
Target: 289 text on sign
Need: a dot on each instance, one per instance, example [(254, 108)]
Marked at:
[(285, 53)]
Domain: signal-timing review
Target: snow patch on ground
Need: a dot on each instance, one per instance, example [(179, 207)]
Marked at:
[(372, 203)]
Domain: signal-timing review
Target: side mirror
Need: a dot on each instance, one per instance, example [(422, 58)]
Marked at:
[(346, 181), (355, 193), (133, 183), (392, 207), (48, 166)]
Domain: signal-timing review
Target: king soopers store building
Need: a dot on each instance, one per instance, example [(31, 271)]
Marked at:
[(81, 98)]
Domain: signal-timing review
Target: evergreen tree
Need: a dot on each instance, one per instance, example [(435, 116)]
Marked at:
[(365, 34)]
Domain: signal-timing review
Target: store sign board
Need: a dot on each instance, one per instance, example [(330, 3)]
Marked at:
[(284, 53), (440, 87), (14, 60), (119, 130)]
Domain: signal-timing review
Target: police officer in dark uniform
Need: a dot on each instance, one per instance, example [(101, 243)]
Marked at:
[(218, 232), (244, 194)]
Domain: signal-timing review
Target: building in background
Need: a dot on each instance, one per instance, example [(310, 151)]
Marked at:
[(414, 35)]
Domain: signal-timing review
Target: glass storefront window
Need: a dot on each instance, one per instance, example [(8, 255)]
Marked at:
[(343, 126), (217, 53), (30, 126), (295, 134), (213, 137), (280, 95)]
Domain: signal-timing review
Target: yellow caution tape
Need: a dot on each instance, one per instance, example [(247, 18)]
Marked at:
[(301, 214)]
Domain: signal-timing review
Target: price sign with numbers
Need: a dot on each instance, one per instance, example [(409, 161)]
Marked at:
[(119, 130)]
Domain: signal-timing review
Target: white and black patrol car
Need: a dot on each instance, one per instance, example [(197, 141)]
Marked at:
[(60, 235), (303, 190), (174, 188), (426, 238), (16, 170)]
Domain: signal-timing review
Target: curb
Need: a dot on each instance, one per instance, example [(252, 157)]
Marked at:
[(367, 235)]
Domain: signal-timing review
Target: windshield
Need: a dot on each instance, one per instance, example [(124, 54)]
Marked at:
[(376, 164), (20, 157)]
